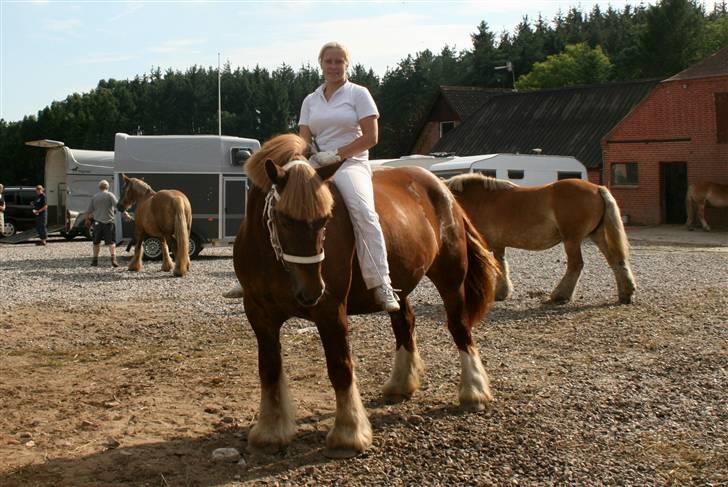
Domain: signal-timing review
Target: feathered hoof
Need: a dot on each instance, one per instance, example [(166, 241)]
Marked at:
[(558, 300), (395, 398), (133, 269), (267, 444), (474, 406), (179, 273), (625, 299)]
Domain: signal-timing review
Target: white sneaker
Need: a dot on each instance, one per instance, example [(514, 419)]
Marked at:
[(384, 296)]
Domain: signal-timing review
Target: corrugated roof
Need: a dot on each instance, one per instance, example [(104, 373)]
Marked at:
[(565, 121), (715, 65)]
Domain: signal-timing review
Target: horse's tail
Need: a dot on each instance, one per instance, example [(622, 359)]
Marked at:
[(615, 236), (481, 275), (182, 236)]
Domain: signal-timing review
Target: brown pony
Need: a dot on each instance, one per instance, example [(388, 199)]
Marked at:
[(539, 217), (164, 214), (700, 193), (279, 261)]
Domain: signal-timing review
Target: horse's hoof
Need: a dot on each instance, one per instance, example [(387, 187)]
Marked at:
[(266, 448), (473, 407), (625, 300), (395, 398), (558, 301), (340, 453)]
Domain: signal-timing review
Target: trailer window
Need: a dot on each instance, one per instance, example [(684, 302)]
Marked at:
[(568, 175), (487, 172), (515, 173), (625, 174)]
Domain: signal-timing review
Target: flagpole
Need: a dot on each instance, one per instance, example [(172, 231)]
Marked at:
[(219, 102)]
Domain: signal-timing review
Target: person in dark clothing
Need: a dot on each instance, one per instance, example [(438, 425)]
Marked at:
[(40, 210)]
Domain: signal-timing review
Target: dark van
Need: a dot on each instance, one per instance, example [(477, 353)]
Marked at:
[(18, 209)]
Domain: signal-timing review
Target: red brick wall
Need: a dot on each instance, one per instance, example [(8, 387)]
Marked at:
[(595, 175), (674, 110)]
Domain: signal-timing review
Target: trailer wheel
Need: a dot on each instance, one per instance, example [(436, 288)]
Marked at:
[(152, 248), (195, 246)]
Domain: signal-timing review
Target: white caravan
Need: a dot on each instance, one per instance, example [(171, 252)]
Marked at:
[(71, 179), (207, 168), (522, 169)]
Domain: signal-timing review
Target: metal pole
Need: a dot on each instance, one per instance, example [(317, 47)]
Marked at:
[(219, 102)]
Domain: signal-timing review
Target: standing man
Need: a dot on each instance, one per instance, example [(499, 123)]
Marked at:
[(2, 211), (40, 210), (102, 210)]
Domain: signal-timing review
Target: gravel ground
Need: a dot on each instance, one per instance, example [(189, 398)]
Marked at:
[(116, 378)]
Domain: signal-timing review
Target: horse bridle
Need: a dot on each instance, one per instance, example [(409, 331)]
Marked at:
[(270, 200)]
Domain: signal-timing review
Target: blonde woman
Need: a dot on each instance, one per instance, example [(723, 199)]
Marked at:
[(340, 120)]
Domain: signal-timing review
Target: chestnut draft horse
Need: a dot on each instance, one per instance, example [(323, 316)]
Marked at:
[(164, 214), (279, 261), (700, 193), (539, 217)]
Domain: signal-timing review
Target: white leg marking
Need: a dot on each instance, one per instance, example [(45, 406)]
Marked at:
[(405, 377), (474, 382), (352, 430), (276, 424)]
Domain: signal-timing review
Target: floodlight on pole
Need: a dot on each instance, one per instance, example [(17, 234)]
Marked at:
[(509, 67)]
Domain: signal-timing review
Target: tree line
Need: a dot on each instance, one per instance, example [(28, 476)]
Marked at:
[(576, 47)]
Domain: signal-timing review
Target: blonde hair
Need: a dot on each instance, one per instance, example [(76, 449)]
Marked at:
[(103, 184), (334, 45)]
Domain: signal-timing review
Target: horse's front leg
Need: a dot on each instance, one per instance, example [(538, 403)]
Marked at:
[(276, 424), (352, 432), (405, 377), (574, 264), (167, 263), (503, 285), (136, 262)]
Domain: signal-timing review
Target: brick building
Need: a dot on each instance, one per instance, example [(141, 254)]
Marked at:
[(677, 135)]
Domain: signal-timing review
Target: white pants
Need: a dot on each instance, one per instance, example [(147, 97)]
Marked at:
[(2, 223), (354, 181)]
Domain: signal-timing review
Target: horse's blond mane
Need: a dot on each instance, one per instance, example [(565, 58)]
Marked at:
[(457, 183), (305, 196)]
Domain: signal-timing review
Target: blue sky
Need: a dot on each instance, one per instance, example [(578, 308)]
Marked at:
[(51, 49)]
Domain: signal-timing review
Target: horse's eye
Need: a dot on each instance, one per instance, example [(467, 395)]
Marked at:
[(284, 220)]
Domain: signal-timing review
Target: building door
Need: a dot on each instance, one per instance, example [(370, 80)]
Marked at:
[(234, 201), (674, 183)]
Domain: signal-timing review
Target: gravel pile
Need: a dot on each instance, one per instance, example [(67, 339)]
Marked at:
[(589, 393)]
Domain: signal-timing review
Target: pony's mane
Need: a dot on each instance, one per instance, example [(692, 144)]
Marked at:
[(457, 183), (141, 183), (305, 196)]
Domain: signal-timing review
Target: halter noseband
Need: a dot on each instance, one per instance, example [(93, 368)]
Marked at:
[(270, 201)]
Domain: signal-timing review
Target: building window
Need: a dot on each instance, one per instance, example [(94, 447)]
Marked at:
[(721, 117), (515, 173), (445, 127), (625, 174), (568, 175)]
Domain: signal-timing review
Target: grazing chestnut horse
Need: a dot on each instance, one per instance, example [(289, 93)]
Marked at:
[(287, 269), (164, 214), (700, 193), (539, 217)]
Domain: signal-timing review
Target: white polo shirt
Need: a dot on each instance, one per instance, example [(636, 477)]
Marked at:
[(335, 123)]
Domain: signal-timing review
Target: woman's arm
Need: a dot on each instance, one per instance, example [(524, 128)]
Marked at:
[(305, 133), (367, 140)]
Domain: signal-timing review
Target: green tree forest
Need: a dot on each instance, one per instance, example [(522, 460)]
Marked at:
[(575, 47)]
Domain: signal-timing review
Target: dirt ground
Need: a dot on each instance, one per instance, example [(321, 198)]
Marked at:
[(139, 390)]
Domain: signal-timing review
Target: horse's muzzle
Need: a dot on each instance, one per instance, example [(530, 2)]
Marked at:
[(307, 300)]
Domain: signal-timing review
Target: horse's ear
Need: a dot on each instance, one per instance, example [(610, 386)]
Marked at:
[(123, 176), (275, 173), (326, 172)]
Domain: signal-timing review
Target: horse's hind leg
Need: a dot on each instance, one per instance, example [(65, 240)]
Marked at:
[(352, 432), (620, 267), (574, 264), (167, 263), (276, 424), (701, 216), (474, 390), (407, 367)]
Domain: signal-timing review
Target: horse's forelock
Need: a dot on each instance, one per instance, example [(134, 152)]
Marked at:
[(305, 196), (281, 149)]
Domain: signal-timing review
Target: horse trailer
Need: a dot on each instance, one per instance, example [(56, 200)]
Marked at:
[(71, 179), (207, 168), (521, 169)]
